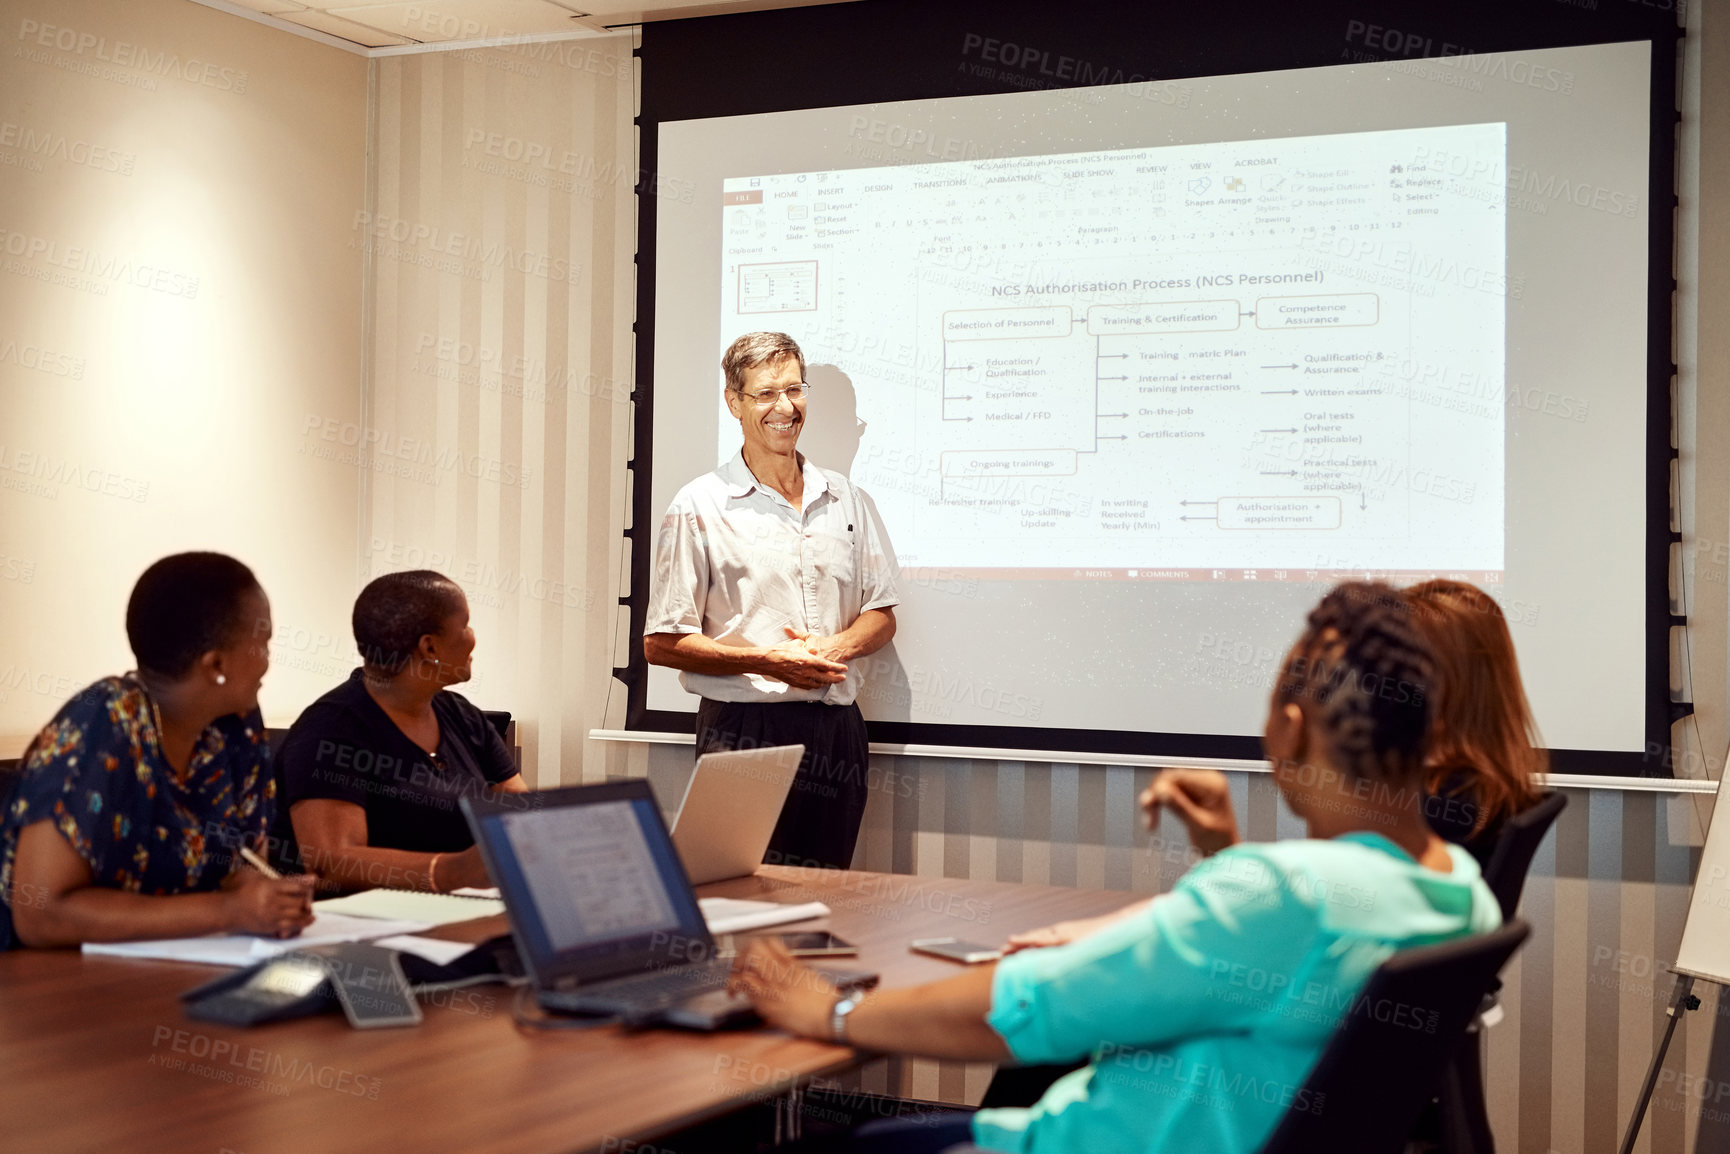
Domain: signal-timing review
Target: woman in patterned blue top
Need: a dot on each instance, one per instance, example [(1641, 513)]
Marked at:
[(137, 797), (1200, 1018)]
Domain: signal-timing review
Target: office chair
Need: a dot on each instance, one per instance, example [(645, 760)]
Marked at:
[(1465, 1119), (1505, 872), (12, 772), (1379, 1070), (500, 720)]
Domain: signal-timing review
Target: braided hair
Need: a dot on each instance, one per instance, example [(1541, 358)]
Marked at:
[(1362, 674)]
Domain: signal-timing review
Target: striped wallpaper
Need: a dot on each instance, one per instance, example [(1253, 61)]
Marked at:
[(1607, 897), (500, 231)]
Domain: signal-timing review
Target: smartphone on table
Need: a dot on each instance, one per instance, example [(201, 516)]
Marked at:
[(818, 944), (956, 950)]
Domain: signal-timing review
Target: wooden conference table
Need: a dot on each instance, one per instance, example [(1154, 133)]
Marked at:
[(96, 1053)]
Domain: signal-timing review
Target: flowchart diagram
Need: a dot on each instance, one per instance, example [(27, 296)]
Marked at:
[(1027, 372), (1186, 356), (1167, 417)]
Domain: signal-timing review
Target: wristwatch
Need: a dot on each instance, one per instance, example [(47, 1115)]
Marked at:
[(838, 1016)]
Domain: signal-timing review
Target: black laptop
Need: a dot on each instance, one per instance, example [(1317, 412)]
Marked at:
[(601, 908), (598, 901)]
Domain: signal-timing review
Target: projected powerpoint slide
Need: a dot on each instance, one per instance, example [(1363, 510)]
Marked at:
[(1193, 362)]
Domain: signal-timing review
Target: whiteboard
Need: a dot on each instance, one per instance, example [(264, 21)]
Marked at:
[(1705, 950)]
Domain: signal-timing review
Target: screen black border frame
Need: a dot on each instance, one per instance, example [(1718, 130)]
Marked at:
[(723, 66)]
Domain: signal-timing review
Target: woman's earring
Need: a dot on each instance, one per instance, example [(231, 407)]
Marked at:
[(222, 679)]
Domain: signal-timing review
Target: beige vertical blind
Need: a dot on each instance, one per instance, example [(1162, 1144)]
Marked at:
[(500, 232)]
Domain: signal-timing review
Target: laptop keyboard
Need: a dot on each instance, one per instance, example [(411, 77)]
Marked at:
[(653, 990)]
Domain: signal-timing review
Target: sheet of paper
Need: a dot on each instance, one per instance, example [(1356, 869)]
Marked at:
[(435, 950), (733, 915), (408, 905), (244, 949), (477, 892)]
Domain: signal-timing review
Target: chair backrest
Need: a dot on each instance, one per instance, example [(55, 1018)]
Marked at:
[(1505, 872), (1383, 1064), (11, 772), (500, 720), (283, 850)]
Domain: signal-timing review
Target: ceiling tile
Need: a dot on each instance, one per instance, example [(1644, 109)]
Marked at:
[(347, 29), (269, 7), (439, 20), (605, 12)]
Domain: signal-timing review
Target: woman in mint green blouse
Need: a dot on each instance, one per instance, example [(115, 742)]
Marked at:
[(1202, 1015)]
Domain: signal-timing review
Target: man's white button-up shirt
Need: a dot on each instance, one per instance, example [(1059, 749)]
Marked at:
[(736, 561)]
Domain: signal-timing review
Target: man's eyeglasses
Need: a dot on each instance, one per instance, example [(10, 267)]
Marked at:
[(769, 398)]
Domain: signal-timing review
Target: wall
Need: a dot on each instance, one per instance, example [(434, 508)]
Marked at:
[(176, 295), (331, 316), (1702, 491), (500, 236)]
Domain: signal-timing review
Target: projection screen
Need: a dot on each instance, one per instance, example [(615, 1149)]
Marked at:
[(1133, 373)]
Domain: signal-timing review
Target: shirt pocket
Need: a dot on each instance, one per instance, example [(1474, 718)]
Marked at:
[(831, 556)]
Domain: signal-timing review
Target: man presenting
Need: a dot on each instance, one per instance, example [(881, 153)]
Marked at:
[(770, 579)]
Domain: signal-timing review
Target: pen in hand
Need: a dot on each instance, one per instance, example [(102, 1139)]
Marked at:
[(259, 864), (301, 914)]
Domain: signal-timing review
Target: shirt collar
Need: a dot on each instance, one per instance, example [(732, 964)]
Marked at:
[(1378, 841), (815, 484), (741, 481), (738, 476)]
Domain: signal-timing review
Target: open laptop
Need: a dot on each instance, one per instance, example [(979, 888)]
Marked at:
[(730, 809), (603, 915), (602, 912)]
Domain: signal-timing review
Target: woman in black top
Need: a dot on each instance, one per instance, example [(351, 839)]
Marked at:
[(372, 772)]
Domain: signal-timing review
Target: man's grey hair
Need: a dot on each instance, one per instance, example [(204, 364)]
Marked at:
[(754, 349)]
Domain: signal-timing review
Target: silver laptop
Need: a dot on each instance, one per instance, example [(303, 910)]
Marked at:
[(730, 809)]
